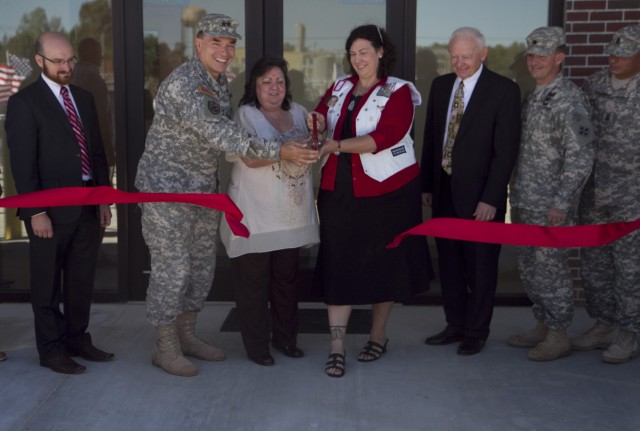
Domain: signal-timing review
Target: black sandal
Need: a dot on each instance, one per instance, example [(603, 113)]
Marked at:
[(373, 351), (336, 361)]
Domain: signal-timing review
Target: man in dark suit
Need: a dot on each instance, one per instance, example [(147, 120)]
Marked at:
[(54, 141), (470, 146)]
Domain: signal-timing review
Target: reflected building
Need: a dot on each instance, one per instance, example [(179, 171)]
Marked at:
[(157, 36)]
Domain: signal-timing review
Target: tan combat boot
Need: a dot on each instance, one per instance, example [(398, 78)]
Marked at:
[(168, 356), (600, 336), (555, 345), (622, 349), (192, 345), (530, 338)]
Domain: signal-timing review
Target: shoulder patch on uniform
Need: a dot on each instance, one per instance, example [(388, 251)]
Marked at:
[(204, 90), (213, 107), (548, 97)]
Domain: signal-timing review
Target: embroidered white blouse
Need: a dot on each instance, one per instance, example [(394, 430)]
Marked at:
[(277, 200)]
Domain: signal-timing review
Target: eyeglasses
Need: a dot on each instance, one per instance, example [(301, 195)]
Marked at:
[(72, 61)]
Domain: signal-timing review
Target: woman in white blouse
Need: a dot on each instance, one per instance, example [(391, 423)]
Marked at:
[(278, 206)]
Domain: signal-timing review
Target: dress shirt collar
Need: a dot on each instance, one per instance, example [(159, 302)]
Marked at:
[(55, 89), (54, 86), (469, 84)]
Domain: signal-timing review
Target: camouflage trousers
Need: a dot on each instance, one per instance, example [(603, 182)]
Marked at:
[(182, 243), (611, 273), (545, 274)]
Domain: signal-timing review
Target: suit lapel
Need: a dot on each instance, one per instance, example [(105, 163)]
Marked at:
[(58, 112)]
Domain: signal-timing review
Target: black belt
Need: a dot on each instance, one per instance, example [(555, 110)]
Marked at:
[(88, 183)]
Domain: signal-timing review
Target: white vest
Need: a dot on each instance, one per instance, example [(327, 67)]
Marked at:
[(385, 163)]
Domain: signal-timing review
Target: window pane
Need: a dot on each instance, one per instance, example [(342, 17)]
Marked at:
[(170, 26), (314, 40), (505, 24), (504, 31), (88, 24)]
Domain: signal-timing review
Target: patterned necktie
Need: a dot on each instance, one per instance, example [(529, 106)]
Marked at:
[(457, 109), (77, 130)]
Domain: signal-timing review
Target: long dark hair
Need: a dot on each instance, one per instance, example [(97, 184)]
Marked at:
[(378, 38), (262, 66)]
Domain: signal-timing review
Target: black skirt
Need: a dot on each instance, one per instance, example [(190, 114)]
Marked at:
[(353, 266)]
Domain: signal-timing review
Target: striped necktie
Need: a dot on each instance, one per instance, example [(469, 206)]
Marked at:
[(457, 109), (77, 130)]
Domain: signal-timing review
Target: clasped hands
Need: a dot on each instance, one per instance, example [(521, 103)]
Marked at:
[(301, 152)]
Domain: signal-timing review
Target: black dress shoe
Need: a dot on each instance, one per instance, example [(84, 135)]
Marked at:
[(448, 336), (470, 346), (291, 351), (63, 364), (266, 359), (91, 353)]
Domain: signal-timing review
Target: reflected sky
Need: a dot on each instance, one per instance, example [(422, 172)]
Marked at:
[(501, 21), (328, 22)]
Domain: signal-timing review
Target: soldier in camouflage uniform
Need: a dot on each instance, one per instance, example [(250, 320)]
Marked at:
[(557, 151), (611, 273), (191, 129)]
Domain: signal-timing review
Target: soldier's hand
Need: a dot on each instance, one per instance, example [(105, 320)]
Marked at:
[(298, 153), (556, 217)]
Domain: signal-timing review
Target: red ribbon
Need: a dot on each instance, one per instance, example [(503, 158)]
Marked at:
[(521, 234), (451, 228), (70, 196)]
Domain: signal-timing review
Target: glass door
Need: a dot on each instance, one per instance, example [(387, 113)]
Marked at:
[(88, 24), (505, 24)]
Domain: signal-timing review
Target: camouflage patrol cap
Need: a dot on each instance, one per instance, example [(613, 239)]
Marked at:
[(545, 40), (625, 42), (216, 24)]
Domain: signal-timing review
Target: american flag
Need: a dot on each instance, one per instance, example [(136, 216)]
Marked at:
[(6, 82), (12, 74), (20, 64)]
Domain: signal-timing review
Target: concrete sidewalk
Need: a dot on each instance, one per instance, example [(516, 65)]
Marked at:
[(413, 387)]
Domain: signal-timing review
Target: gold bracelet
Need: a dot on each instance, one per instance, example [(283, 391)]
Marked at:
[(337, 152)]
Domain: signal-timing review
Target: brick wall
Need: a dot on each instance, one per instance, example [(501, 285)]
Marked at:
[(589, 26)]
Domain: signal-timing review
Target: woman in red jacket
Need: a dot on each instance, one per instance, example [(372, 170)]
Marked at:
[(369, 193)]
